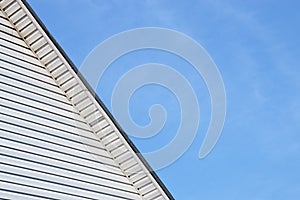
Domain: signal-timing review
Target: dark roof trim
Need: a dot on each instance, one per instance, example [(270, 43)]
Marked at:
[(149, 168)]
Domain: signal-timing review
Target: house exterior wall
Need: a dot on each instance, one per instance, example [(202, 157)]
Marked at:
[(57, 139), (47, 149)]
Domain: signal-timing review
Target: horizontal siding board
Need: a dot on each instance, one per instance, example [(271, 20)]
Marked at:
[(9, 195), (33, 188), (6, 68), (63, 185), (72, 120), (87, 175), (88, 139), (30, 80), (43, 122), (39, 188), (56, 163), (85, 162), (119, 182), (25, 191), (8, 89), (37, 102), (28, 174), (54, 139), (20, 62), (19, 48), (56, 147), (28, 110), (35, 71), (39, 93), (10, 37), (5, 22), (17, 51), (20, 56), (27, 72), (9, 33)]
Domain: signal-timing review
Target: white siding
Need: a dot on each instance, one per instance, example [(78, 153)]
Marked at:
[(57, 140), (47, 149)]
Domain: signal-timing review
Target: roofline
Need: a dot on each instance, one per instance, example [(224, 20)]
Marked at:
[(91, 90)]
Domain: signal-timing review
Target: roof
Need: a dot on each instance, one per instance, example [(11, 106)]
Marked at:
[(84, 100)]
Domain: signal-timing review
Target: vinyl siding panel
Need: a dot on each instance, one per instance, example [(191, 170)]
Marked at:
[(57, 139), (48, 150)]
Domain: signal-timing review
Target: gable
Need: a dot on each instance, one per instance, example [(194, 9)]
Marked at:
[(57, 139)]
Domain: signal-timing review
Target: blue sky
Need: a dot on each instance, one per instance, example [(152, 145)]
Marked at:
[(255, 45)]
